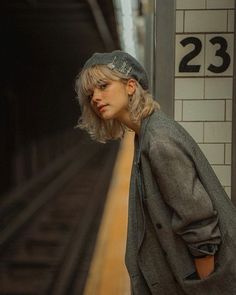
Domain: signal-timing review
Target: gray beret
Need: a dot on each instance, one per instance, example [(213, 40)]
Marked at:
[(122, 62)]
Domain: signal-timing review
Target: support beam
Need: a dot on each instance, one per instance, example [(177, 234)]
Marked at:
[(102, 25), (165, 55)]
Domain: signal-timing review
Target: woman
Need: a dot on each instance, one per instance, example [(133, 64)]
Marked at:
[(182, 226)]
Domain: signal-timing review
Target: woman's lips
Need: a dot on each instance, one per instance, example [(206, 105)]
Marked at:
[(102, 108)]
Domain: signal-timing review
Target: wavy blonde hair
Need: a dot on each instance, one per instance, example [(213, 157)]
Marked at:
[(141, 104)]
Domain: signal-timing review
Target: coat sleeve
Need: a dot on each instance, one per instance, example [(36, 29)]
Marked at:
[(194, 217)]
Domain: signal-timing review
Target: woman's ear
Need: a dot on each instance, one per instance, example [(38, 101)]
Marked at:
[(131, 86)]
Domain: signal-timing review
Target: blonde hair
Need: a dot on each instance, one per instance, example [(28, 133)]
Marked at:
[(141, 105)]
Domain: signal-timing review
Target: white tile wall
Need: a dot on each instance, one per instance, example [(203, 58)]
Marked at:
[(223, 172), (189, 88), (211, 54), (203, 101), (206, 21), (190, 4), (213, 152), (224, 4), (229, 110), (218, 88), (203, 110), (195, 129), (228, 153), (228, 191), (178, 110), (217, 132), (230, 20), (179, 21)]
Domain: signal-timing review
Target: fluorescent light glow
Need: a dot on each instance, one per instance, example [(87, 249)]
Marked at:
[(126, 11)]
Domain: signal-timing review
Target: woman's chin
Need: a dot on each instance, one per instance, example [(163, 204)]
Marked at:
[(106, 116)]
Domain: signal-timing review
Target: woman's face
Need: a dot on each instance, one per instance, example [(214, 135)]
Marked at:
[(110, 98)]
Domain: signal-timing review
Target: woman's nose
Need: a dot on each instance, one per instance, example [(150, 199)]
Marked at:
[(96, 95)]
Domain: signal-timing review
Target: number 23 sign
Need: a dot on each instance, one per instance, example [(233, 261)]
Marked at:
[(204, 55)]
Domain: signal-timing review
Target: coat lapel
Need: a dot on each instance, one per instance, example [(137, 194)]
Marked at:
[(140, 209)]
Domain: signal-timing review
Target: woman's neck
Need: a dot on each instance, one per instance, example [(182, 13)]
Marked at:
[(126, 120)]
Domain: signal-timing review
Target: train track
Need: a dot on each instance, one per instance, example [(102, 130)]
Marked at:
[(47, 246)]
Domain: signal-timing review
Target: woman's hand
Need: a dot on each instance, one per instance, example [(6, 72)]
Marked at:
[(205, 266)]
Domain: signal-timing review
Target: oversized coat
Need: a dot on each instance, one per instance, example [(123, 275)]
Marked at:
[(176, 204)]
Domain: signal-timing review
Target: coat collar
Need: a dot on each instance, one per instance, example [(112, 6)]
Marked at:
[(138, 140)]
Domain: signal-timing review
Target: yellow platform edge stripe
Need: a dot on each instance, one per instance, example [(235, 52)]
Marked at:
[(107, 274)]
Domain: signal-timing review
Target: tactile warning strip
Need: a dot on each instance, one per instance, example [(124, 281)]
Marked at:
[(108, 274)]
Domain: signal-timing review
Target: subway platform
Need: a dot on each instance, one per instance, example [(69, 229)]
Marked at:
[(108, 274)]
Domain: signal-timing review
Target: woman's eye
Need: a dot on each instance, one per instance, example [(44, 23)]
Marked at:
[(103, 86)]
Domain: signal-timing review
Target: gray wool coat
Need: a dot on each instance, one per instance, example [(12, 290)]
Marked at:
[(176, 207)]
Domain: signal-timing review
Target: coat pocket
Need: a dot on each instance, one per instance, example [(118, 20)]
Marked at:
[(194, 275)]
